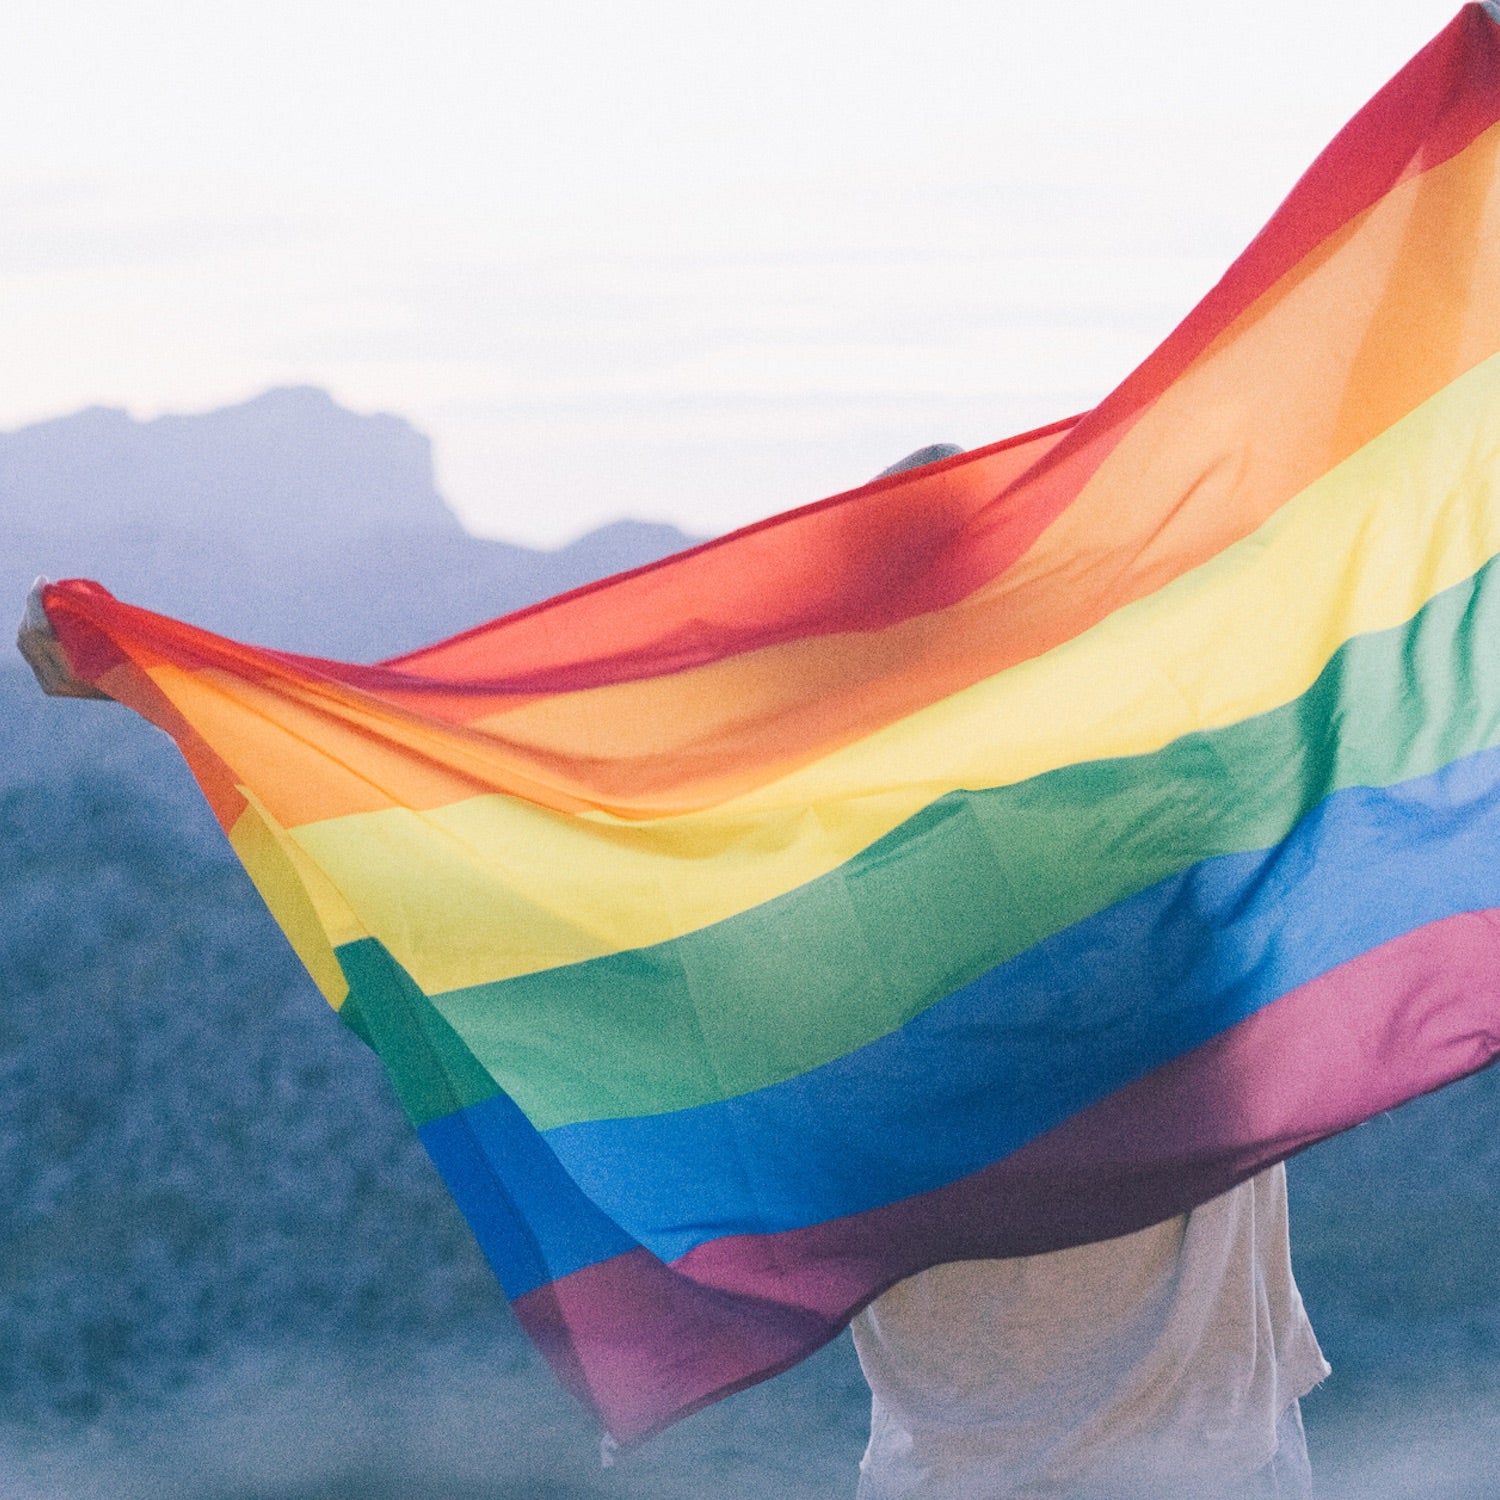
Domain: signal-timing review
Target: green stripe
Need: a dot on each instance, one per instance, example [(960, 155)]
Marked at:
[(434, 1073), (966, 884)]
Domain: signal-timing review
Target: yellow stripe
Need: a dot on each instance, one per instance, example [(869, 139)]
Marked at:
[(305, 904), (491, 887)]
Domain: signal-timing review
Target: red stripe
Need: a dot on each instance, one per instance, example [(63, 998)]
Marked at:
[(856, 561), (1440, 102), (614, 631), (915, 543)]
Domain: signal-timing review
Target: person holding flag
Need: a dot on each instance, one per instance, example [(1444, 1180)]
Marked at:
[(943, 907)]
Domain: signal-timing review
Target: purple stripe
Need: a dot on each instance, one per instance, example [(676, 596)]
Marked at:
[(646, 1343)]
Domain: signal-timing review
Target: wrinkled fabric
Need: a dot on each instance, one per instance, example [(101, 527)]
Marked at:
[(1007, 855)]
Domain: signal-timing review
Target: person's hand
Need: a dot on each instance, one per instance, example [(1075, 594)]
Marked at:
[(38, 643), (931, 454)]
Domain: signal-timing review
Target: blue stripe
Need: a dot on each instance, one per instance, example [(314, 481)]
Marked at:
[(1038, 1038), (530, 1218)]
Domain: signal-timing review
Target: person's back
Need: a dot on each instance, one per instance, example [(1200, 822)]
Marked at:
[(1167, 1362), (1157, 1364)]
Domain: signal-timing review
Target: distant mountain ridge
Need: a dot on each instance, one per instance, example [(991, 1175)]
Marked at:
[(291, 459), (286, 519)]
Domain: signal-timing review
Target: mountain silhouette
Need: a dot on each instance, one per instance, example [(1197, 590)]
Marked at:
[(196, 1159), (287, 519)]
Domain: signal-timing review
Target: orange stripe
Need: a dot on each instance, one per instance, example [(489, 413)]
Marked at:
[(127, 684), (1304, 378)]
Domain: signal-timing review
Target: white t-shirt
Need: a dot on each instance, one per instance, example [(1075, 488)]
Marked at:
[(1155, 1363)]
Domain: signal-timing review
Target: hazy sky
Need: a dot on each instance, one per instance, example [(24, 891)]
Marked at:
[(666, 260)]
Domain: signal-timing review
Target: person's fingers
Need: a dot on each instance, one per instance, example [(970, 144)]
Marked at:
[(43, 653)]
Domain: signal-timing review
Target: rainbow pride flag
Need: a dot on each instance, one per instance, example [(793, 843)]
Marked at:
[(1001, 856)]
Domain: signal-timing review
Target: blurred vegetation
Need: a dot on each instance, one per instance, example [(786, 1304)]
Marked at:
[(193, 1151)]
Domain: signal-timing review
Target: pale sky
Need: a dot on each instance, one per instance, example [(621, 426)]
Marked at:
[(672, 261)]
